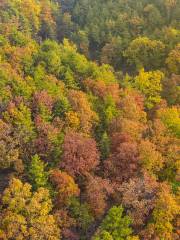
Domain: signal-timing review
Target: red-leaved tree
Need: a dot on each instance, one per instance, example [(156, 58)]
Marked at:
[(96, 194), (80, 154), (123, 162)]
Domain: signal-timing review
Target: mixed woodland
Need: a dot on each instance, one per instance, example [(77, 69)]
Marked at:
[(89, 119)]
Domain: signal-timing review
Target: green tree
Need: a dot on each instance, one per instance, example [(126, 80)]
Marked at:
[(19, 115), (37, 174), (81, 212), (103, 235), (105, 145), (49, 56), (145, 53), (115, 226)]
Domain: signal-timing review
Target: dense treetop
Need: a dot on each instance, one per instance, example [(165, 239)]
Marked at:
[(89, 119)]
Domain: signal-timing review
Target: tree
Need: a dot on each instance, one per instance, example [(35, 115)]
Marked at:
[(82, 107), (76, 66), (22, 56), (61, 107), (82, 214), (138, 196), (9, 148), (26, 14), (27, 215), (103, 235), (170, 6), (67, 223), (170, 36), (103, 89), (67, 5), (173, 60), (132, 105), (110, 110), (43, 104), (48, 143), (72, 120), (168, 145), (49, 56), (37, 174), (112, 52), (152, 17), (123, 162), (151, 160), (171, 118), (82, 41), (114, 226), (48, 21), (80, 154), (65, 186), (66, 26), (161, 136), (165, 211), (171, 89), (96, 194), (134, 129), (145, 53), (19, 115), (132, 117), (149, 83), (105, 145)]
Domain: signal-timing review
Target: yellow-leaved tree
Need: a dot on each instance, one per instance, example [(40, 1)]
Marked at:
[(27, 215), (149, 83)]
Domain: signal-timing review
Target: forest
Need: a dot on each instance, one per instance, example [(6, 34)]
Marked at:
[(89, 119)]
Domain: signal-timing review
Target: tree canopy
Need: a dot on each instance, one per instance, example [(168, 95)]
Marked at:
[(89, 119)]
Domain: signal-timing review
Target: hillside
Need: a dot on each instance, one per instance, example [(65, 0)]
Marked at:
[(89, 119)]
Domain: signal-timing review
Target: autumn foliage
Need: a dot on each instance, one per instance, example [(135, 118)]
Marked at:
[(89, 119), (123, 162), (80, 154)]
